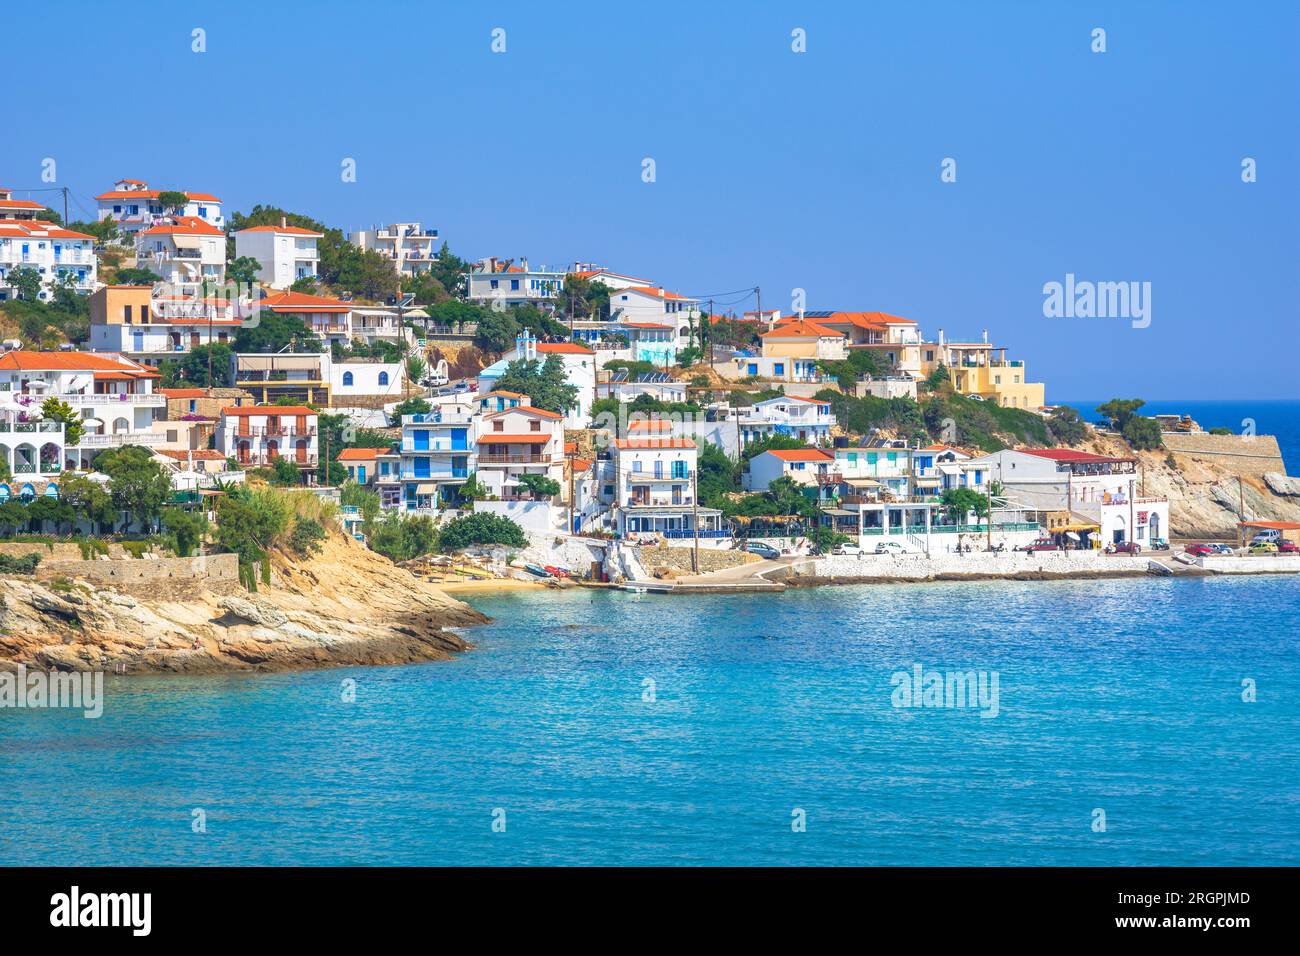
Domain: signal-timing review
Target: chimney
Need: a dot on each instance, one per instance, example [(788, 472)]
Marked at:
[(284, 222), (941, 342), (661, 292), (986, 336)]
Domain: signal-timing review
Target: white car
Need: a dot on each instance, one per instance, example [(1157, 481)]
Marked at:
[(889, 547), (852, 550)]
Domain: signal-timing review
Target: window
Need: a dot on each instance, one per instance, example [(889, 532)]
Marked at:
[(383, 378), (679, 469), (194, 405), (347, 378), (171, 436), (778, 368), (126, 314), (498, 426), (493, 283), (636, 466), (514, 285), (534, 426), (144, 313)]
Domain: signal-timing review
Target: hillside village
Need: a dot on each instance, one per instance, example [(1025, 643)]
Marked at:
[(573, 413)]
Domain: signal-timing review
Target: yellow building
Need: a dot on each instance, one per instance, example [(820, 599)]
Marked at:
[(982, 369)]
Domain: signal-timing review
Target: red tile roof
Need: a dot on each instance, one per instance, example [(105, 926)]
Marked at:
[(653, 292), (184, 226), (563, 348), (360, 454), (196, 454), (650, 425), (20, 360), (243, 410), (38, 229), (283, 230), (302, 302), (800, 329), (183, 392), (800, 454), (152, 193), (638, 443)]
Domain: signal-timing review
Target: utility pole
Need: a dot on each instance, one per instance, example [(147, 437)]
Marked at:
[(570, 457), (988, 507), (327, 457), (1241, 514), (65, 207), (710, 320), (695, 517)]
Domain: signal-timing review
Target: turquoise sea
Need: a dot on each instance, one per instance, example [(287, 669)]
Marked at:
[(1123, 696)]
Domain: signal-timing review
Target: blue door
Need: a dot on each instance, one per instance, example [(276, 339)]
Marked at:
[(137, 339), (422, 441), (459, 439), (421, 467), (459, 468)]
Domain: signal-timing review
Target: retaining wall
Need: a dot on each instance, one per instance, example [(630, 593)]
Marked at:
[(979, 564), (132, 571), (1243, 454)]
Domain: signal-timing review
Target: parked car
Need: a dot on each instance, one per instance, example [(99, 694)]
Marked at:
[(1264, 547), (1221, 548), (1267, 536), (1124, 547), (1286, 546), (851, 550), (763, 550), (1042, 544), (889, 547), (1201, 550)]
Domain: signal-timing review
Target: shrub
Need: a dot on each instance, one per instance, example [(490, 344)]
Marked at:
[(184, 530), (24, 565), (137, 549), (481, 528), (306, 536)]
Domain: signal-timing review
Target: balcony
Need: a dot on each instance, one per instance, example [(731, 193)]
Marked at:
[(117, 439), (148, 400), (308, 461), (645, 477), (43, 428), (277, 431), (519, 458)]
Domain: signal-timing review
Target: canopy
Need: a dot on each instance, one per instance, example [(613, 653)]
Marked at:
[(927, 482), (950, 469), (426, 489), (862, 483), (187, 242)]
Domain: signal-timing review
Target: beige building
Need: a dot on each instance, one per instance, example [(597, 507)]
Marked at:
[(983, 369)]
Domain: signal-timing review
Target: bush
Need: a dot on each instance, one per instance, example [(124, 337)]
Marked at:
[(481, 528), (1143, 433), (184, 530), (137, 549), (24, 565), (307, 536), (400, 539)]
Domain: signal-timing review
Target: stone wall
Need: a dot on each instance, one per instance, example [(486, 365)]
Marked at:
[(678, 559), (980, 564), (1241, 454), (128, 572)]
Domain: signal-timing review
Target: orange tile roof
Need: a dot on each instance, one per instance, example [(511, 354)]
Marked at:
[(650, 425), (243, 410), (283, 230), (502, 391), (800, 454), (645, 325), (588, 273), (152, 193), (800, 329), (570, 447), (184, 226), (183, 392), (639, 443), (864, 320), (654, 292), (581, 464), (360, 454), (38, 229), (501, 438), (20, 204), (20, 360), (302, 302), (197, 454), (563, 348)]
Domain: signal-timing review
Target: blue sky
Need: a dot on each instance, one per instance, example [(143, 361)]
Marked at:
[(818, 171)]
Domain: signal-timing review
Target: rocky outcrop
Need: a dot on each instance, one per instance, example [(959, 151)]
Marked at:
[(1281, 484), (345, 606)]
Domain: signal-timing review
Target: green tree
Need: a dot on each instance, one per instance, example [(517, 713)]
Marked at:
[(402, 538), (26, 283), (480, 528), (1067, 426), (173, 199), (285, 473), (138, 485), (137, 277), (53, 409), (192, 368), (248, 523), (416, 367), (496, 331), (185, 530), (89, 500), (545, 383), (539, 486), (958, 502), (1120, 410), (1143, 433), (450, 269), (243, 269), (274, 332)]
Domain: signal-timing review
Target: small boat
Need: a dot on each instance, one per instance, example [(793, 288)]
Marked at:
[(559, 572), (633, 589), (538, 570)]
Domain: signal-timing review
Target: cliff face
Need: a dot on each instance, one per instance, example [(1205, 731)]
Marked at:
[(1204, 488), (346, 605)]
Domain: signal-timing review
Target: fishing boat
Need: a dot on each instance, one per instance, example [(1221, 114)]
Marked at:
[(538, 570), (559, 572)]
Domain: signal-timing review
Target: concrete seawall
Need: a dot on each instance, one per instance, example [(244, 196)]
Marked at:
[(950, 567)]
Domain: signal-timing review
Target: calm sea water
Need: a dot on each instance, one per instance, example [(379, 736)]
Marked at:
[(1269, 417), (1121, 695)]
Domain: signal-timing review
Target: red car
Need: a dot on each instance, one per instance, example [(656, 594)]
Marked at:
[(1041, 545), (1287, 547), (1124, 547), (1200, 550)]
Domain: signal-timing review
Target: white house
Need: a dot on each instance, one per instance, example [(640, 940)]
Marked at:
[(54, 253), (1103, 489), (653, 479), (134, 206), (259, 434), (11, 208), (655, 305), (437, 456), (356, 377), (330, 319), (149, 328), (285, 253), (112, 395), (518, 440), (494, 280), (186, 254), (803, 465), (579, 370), (410, 248)]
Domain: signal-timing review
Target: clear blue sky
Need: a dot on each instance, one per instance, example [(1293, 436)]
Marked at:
[(817, 170)]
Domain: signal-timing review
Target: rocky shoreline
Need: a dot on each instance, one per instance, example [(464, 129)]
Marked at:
[(345, 606)]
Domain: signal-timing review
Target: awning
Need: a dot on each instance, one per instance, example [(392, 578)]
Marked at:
[(950, 469), (426, 489), (1076, 527), (927, 482), (187, 242), (862, 483)]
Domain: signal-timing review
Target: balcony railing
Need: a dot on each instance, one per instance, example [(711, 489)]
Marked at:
[(276, 431), (518, 459), (148, 439), (307, 461), (646, 477), (119, 398), (53, 428)]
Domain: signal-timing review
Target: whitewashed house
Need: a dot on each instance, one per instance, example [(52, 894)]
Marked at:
[(494, 280), (802, 465), (653, 479), (187, 254), (133, 206), (515, 441), (54, 253), (285, 253), (257, 435), (409, 247)]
